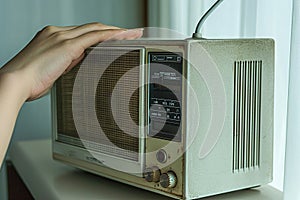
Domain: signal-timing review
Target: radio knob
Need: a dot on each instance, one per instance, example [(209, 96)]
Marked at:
[(161, 156), (152, 174), (168, 180)]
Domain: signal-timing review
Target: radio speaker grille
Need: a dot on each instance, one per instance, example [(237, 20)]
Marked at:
[(247, 115), (112, 139)]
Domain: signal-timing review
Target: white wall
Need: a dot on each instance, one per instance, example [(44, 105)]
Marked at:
[(21, 19)]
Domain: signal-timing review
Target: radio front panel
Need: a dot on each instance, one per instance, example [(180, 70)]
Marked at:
[(154, 80)]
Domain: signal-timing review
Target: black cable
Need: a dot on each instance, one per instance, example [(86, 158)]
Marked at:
[(197, 33)]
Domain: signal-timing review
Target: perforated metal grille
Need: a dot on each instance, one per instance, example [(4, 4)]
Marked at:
[(128, 137), (64, 88), (105, 120), (247, 115)]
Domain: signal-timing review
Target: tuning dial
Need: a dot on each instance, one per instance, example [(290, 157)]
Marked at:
[(168, 180), (152, 174)]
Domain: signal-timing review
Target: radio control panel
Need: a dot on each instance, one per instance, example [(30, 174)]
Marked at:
[(165, 95)]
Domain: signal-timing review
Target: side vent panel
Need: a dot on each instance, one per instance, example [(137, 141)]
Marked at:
[(247, 115)]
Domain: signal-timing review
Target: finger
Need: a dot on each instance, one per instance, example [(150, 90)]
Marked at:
[(128, 34), (89, 25), (49, 30), (95, 37), (60, 28), (73, 31), (95, 26), (64, 28), (83, 29)]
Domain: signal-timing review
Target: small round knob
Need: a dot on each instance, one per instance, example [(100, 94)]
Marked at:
[(168, 180), (152, 174), (161, 156)]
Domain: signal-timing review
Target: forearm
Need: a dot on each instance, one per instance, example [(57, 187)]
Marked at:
[(12, 97)]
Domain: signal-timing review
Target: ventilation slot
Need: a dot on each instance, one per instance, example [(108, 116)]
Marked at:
[(246, 115)]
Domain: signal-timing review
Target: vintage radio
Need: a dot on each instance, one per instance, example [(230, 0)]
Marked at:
[(183, 118)]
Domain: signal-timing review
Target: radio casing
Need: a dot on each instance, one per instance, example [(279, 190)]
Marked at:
[(213, 134)]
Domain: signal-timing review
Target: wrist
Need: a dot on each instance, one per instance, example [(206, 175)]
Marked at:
[(13, 85)]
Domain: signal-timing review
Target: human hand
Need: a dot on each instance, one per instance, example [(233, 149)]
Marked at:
[(55, 50)]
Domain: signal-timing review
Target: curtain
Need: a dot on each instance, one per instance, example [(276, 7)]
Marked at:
[(274, 21), (292, 172), (183, 16)]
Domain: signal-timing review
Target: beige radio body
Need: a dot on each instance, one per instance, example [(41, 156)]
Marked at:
[(202, 125)]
